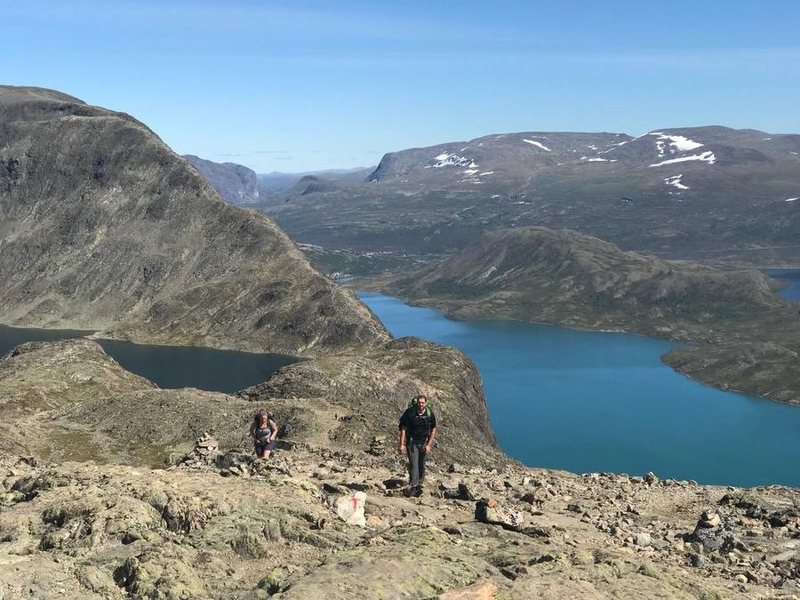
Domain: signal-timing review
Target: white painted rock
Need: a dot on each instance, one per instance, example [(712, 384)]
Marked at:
[(351, 509)]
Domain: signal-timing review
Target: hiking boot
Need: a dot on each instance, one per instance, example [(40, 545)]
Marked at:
[(418, 491), (408, 492)]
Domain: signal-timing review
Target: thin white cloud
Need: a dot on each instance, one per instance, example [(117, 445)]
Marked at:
[(298, 23), (189, 29)]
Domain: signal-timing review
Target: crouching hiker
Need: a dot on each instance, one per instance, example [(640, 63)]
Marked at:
[(264, 432), (417, 432)]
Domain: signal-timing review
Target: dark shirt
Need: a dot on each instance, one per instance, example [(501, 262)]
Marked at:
[(417, 427)]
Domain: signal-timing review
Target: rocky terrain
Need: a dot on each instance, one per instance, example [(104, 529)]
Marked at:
[(85, 516), (103, 227), (235, 183), (747, 335), (711, 194)]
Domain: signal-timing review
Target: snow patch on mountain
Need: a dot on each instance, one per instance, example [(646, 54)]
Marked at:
[(675, 180), (452, 160), (706, 157), (537, 144), (673, 143), (792, 199), (613, 147)]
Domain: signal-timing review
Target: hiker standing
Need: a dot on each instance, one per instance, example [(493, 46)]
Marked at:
[(417, 432), (264, 432)]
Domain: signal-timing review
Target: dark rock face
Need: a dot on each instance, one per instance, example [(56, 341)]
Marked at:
[(714, 533), (103, 227), (236, 183)]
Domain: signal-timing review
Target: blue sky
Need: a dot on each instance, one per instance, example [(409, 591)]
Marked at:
[(297, 86)]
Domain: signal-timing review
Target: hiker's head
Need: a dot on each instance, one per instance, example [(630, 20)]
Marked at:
[(422, 402)]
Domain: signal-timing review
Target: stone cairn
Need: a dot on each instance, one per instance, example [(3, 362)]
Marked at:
[(206, 450), (713, 532), (377, 446)]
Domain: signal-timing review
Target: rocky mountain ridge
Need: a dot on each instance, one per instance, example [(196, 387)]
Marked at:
[(103, 227), (325, 518), (711, 194)]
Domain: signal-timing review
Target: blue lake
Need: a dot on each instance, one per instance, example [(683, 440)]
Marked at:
[(587, 401), (170, 366), (791, 277)]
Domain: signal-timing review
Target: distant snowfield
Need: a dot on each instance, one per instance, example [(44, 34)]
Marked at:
[(677, 143), (537, 144), (452, 160), (792, 199), (675, 180), (706, 157)]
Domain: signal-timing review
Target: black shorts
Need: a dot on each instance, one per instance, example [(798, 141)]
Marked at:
[(261, 448)]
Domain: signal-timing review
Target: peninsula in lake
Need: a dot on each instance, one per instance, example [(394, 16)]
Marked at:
[(747, 337)]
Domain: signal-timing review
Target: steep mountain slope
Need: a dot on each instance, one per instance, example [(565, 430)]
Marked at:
[(235, 183), (705, 193), (103, 227)]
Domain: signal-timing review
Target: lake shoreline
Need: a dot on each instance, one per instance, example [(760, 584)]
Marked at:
[(585, 394), (706, 347)]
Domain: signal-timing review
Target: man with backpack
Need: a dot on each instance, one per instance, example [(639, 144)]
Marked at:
[(417, 432), (264, 431)]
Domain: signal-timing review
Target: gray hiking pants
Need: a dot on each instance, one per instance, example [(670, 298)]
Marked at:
[(416, 463)]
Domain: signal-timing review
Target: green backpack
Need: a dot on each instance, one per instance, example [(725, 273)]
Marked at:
[(413, 405)]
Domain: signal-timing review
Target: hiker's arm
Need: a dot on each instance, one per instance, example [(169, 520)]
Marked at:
[(431, 437), (274, 431), (401, 447)]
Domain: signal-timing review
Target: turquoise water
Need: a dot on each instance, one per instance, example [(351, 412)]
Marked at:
[(588, 401)]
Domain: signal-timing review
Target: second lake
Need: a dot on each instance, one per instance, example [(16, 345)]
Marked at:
[(588, 402)]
